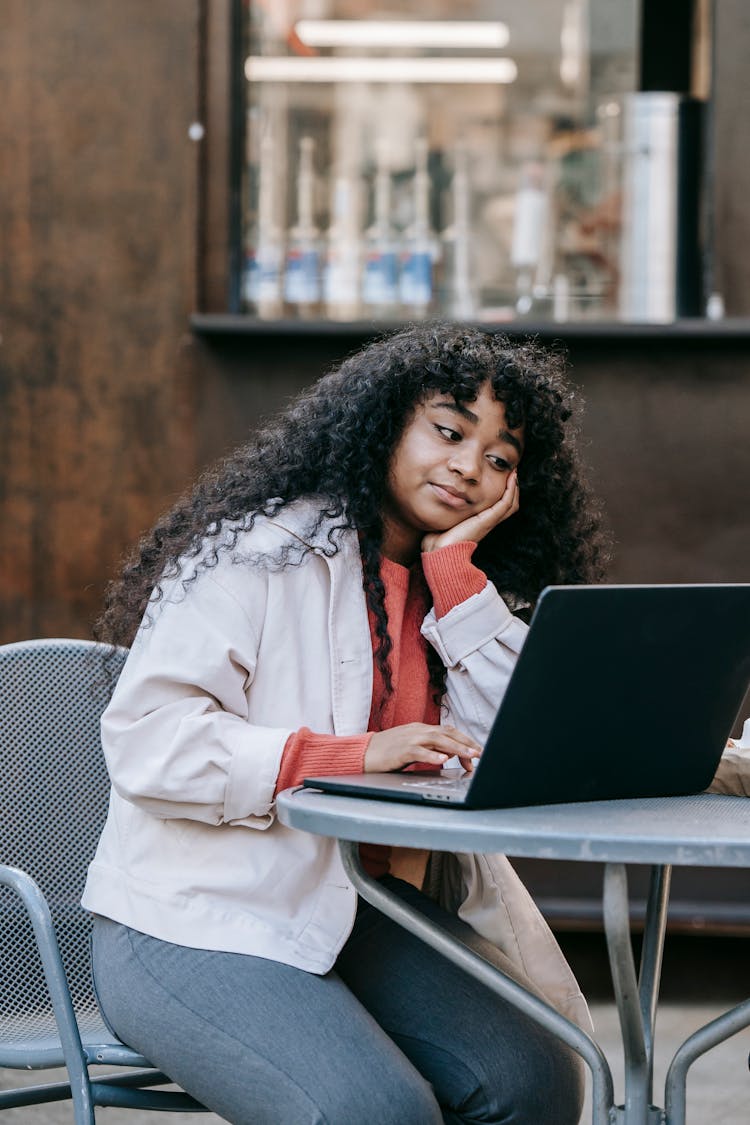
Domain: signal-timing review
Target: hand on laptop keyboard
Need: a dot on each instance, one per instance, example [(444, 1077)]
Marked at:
[(419, 742)]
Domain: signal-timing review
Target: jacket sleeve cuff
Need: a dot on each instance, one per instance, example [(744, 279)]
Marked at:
[(306, 754), (482, 619), (451, 576)]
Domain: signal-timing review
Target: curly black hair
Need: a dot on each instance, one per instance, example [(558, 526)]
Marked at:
[(335, 441)]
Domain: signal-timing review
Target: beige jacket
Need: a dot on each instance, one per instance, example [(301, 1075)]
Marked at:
[(227, 668), (733, 774)]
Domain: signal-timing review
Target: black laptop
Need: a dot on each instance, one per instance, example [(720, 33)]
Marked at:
[(619, 691)]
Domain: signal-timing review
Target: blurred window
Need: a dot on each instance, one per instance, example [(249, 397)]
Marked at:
[(468, 164)]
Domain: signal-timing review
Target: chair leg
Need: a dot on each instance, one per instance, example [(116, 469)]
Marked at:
[(41, 920), (129, 1090), (34, 1095), (83, 1105)]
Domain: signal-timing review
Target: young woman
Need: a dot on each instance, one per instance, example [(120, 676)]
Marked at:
[(347, 592)]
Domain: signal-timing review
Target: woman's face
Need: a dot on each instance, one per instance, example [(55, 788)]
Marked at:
[(452, 461)]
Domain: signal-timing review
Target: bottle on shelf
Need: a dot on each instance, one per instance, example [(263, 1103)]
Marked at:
[(380, 292), (341, 274), (459, 298), (262, 276), (302, 268), (419, 245), (529, 232)]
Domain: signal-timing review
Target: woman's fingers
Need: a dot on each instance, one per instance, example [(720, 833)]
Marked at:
[(449, 740), (418, 742), (480, 524), (505, 507), (466, 763)]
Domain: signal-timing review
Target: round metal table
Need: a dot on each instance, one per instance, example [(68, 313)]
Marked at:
[(702, 830)]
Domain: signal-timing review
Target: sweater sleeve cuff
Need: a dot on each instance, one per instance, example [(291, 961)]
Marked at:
[(306, 754), (451, 576)]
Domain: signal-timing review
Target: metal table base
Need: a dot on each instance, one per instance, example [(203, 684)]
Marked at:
[(636, 994), (658, 832)]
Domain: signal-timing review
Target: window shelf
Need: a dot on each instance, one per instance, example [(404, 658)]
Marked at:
[(695, 329)]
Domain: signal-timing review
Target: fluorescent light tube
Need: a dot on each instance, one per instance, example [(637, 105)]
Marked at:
[(264, 68), (456, 34)]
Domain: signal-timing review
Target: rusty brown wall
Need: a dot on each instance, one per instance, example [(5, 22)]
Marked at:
[(97, 217), (108, 404)]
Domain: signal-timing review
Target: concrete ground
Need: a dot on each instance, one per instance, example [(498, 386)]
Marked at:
[(702, 978), (718, 1087)]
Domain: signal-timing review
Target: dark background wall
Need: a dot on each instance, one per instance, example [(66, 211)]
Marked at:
[(109, 404)]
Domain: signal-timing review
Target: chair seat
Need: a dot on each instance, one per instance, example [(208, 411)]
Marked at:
[(36, 1042)]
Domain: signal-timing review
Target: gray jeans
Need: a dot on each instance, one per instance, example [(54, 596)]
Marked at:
[(395, 1035)]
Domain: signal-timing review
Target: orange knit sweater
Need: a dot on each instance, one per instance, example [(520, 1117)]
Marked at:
[(446, 577)]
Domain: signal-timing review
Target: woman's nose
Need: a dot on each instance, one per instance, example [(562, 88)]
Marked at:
[(465, 461)]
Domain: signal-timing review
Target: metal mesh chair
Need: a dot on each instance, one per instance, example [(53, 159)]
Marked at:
[(53, 801)]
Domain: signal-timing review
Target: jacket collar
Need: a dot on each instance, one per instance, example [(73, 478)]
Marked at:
[(307, 521)]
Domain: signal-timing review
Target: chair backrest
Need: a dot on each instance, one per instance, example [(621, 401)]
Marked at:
[(53, 801)]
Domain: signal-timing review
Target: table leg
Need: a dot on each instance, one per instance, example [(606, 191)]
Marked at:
[(696, 1045), (652, 950), (489, 975), (636, 1000)]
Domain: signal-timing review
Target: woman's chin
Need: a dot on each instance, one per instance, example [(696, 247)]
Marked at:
[(445, 519)]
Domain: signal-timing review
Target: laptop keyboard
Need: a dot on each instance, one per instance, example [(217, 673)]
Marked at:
[(452, 784)]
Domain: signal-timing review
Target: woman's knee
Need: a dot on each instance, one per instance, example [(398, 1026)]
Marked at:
[(553, 1091), (540, 1084), (402, 1098), (348, 1101)]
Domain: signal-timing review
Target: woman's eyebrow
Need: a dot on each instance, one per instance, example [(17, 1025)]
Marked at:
[(507, 436), (470, 416), (457, 408)]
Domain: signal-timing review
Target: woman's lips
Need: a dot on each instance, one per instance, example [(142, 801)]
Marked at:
[(449, 497)]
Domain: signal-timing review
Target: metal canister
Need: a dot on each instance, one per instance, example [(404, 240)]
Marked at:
[(660, 255)]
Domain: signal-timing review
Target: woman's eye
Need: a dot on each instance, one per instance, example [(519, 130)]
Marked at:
[(448, 433), (500, 463)]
